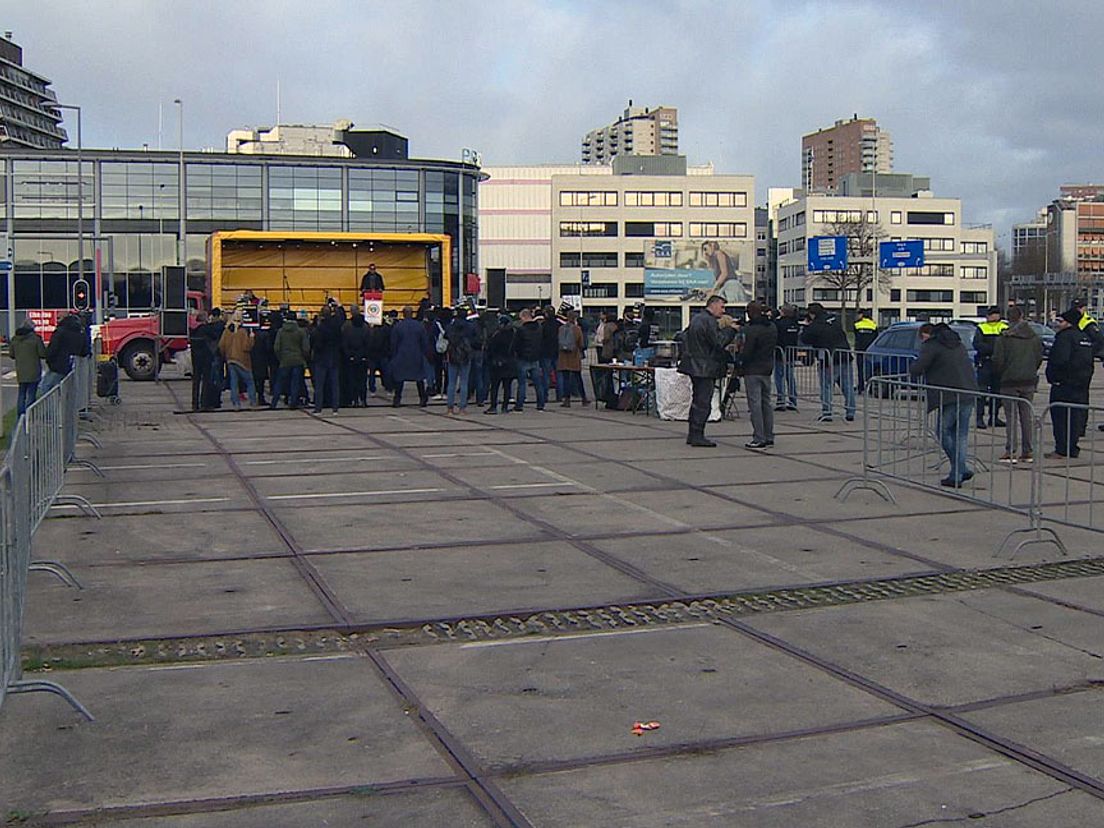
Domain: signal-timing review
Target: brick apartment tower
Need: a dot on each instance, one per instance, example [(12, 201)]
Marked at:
[(857, 145)]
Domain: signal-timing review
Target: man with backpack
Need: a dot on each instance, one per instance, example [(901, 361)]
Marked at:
[(28, 351), (501, 363), (461, 345)]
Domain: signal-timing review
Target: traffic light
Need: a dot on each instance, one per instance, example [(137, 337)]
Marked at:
[(81, 295)]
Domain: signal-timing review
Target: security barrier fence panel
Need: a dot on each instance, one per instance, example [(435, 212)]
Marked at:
[(925, 436), (827, 380), (31, 478), (1070, 480)]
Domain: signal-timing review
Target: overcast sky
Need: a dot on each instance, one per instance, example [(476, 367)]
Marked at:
[(998, 101)]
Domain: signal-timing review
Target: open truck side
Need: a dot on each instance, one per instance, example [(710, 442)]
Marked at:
[(301, 270)]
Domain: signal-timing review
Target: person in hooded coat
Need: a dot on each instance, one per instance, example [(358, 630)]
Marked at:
[(943, 363), (28, 350)]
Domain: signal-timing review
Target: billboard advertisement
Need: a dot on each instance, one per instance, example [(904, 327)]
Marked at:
[(683, 270)]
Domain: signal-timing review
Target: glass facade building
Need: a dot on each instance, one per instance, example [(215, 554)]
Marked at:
[(130, 203)]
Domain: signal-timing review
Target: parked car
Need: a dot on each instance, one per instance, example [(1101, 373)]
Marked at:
[(898, 345)]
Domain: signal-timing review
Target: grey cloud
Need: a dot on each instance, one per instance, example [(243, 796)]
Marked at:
[(993, 100)]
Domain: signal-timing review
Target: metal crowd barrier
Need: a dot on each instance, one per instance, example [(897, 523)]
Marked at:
[(1067, 487), (828, 380), (904, 441), (31, 477)]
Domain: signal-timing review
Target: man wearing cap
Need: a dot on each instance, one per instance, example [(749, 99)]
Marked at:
[(1089, 326), (705, 360), (1069, 372), (985, 342)]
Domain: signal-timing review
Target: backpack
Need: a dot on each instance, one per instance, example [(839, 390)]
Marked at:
[(459, 350), (566, 338), (442, 344)]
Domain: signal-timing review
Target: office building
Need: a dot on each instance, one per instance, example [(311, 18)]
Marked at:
[(132, 223), (854, 146), (588, 233), (639, 131), (665, 241), (1060, 256), (515, 231), (29, 116), (958, 278)]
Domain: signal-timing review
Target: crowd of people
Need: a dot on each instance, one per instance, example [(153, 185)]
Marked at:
[(459, 354), (27, 349)]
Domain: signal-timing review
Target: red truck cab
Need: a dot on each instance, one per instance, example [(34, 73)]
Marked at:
[(138, 345)]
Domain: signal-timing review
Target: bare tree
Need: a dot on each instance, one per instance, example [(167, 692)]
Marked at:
[(853, 281)]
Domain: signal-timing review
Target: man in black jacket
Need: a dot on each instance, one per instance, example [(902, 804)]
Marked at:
[(866, 331), (985, 342), (67, 341), (944, 364), (705, 360), (789, 337), (1069, 372), (756, 360), (834, 362), (528, 346), (372, 282)]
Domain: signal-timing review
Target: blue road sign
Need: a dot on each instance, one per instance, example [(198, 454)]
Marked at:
[(5, 265), (827, 253), (908, 253)]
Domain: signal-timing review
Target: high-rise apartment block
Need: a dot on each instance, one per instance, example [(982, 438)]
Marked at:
[(28, 106), (639, 131), (854, 146)]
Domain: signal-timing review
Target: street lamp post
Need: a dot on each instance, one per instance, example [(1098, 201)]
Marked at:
[(80, 202), (181, 221)]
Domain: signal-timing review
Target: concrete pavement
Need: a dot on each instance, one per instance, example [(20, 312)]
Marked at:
[(398, 616)]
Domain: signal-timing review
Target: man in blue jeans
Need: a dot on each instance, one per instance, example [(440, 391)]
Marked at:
[(527, 347), (943, 364), (834, 363)]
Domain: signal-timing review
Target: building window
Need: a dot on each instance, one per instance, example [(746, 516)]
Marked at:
[(930, 295), (939, 244), (718, 199), (637, 198), (894, 295), (974, 272), (588, 259), (895, 217), (142, 191), (383, 199), (634, 290), (587, 228), (570, 288), (930, 217), (935, 269), (230, 192), (975, 247), (653, 229), (972, 297), (718, 230), (634, 260), (304, 198), (843, 216), (588, 198), (49, 190), (600, 290)]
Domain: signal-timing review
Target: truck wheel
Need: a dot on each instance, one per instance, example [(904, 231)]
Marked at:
[(139, 361)]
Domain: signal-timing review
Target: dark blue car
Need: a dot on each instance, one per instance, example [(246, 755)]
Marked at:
[(898, 345)]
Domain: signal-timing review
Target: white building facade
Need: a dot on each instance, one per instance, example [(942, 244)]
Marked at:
[(958, 279), (604, 233)]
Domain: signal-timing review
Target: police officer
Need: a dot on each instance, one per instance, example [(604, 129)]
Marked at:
[(985, 341), (866, 331)]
